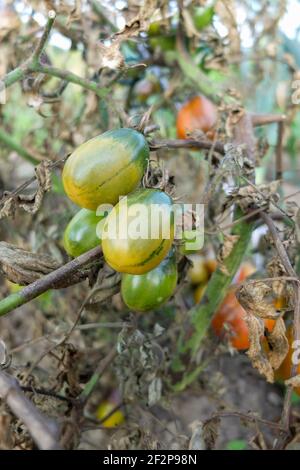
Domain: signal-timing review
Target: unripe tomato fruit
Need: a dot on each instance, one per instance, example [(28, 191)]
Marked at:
[(142, 292), (199, 292), (115, 419), (133, 252), (81, 233), (197, 114), (285, 370), (106, 167), (198, 272)]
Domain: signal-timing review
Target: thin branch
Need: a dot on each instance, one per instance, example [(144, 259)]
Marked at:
[(279, 159), (245, 417), (264, 119), (92, 383), (188, 143), (69, 77), (44, 38), (43, 430)]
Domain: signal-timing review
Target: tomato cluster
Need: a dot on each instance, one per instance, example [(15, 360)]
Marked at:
[(102, 171)]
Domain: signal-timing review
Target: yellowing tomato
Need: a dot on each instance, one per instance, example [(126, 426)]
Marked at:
[(198, 272), (113, 420), (106, 167), (139, 231)]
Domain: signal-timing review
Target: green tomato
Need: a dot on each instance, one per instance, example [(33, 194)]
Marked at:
[(139, 231), (106, 167), (148, 291), (81, 233)]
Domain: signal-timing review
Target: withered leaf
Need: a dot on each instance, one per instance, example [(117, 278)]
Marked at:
[(258, 196), (255, 352), (210, 432), (23, 267), (30, 203), (33, 202), (254, 299), (226, 249), (279, 344)]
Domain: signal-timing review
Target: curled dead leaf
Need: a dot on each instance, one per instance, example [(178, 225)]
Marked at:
[(226, 249), (23, 267), (266, 353), (32, 202), (255, 196)]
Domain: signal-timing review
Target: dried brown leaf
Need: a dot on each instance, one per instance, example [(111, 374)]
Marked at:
[(33, 202), (279, 344), (23, 267), (226, 249), (258, 196)]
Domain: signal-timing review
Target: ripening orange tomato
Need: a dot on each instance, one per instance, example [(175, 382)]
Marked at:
[(199, 113), (285, 370)]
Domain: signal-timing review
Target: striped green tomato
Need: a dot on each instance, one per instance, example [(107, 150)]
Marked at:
[(106, 167), (142, 292), (81, 233), (139, 231)]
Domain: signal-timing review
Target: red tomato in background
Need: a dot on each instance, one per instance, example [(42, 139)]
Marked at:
[(199, 113)]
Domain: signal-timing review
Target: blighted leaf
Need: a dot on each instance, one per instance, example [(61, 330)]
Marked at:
[(226, 249), (254, 299), (9, 207), (253, 296), (111, 56), (255, 352), (255, 196), (33, 202), (210, 432), (279, 344), (23, 267)]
